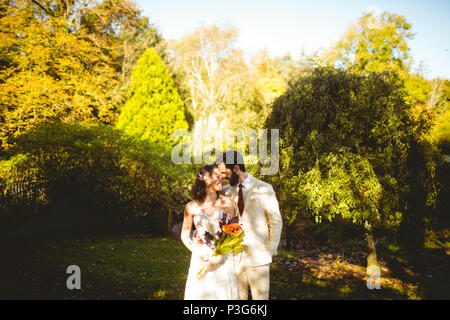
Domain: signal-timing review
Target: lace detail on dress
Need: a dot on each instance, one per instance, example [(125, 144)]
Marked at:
[(204, 222)]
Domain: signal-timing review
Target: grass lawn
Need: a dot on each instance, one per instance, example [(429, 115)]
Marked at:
[(139, 267)]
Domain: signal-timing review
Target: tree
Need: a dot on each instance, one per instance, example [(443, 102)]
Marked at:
[(379, 43), (441, 132), (439, 95), (418, 89), (154, 109), (214, 75), (269, 80), (375, 43), (351, 147), (135, 39), (438, 101), (62, 64)]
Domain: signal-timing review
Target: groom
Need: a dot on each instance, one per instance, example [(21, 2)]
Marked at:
[(258, 211)]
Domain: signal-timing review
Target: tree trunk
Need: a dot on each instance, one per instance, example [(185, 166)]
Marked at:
[(169, 223), (372, 255), (373, 269)]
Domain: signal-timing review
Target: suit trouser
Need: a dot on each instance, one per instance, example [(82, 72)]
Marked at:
[(258, 278)]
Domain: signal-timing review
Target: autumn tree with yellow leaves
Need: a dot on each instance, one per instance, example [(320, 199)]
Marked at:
[(66, 59)]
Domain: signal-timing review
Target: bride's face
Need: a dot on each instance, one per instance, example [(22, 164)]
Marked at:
[(213, 180)]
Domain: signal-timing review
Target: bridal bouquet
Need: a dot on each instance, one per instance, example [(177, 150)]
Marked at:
[(228, 239)]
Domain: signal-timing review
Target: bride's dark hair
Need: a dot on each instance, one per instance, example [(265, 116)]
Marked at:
[(199, 188)]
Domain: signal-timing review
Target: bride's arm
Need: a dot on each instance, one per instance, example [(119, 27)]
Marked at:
[(186, 232), (187, 228)]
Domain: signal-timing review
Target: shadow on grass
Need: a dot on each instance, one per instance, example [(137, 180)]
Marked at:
[(426, 267)]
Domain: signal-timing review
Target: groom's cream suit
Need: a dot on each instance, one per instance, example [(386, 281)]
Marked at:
[(262, 223)]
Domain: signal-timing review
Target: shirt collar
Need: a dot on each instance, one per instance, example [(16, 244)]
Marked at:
[(246, 182)]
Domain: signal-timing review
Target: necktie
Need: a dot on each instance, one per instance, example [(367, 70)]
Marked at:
[(241, 200)]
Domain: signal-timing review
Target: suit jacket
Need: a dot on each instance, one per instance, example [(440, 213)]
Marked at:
[(261, 221)]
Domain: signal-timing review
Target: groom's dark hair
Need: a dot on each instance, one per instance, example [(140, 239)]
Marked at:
[(231, 158)]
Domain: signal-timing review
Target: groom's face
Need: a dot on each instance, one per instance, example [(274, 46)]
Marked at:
[(228, 174)]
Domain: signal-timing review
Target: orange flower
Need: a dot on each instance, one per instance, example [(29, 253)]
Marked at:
[(232, 228)]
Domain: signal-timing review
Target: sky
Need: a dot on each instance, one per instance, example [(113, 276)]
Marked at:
[(289, 26)]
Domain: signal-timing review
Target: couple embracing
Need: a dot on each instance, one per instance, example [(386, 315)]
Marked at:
[(246, 200)]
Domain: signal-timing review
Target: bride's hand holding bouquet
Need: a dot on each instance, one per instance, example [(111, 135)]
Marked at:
[(228, 239)]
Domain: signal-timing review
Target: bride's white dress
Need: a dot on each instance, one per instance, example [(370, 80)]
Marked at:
[(219, 283)]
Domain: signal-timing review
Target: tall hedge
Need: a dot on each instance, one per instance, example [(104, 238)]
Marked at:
[(154, 108)]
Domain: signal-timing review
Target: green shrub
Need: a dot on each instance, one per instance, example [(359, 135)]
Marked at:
[(98, 175)]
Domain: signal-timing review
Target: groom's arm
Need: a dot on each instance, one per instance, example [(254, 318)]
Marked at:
[(272, 210)]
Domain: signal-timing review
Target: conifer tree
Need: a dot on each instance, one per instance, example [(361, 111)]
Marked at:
[(154, 108)]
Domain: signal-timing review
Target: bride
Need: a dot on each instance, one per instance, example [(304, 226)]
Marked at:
[(205, 212)]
